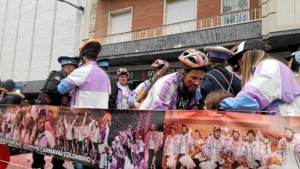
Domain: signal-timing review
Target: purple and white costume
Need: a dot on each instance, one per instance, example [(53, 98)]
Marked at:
[(69, 129), (143, 86), (182, 144), (81, 130), (46, 139), (169, 145), (163, 95), (272, 88), (288, 154), (251, 154), (213, 150), (122, 97), (91, 87)]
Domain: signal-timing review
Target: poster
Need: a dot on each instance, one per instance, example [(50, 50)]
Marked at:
[(130, 139)]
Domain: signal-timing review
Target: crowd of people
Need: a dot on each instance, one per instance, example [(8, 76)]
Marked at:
[(229, 150), (254, 82)]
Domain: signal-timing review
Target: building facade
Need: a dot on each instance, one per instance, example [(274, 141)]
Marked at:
[(33, 34)]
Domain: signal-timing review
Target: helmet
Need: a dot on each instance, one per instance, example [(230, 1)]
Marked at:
[(158, 64), (122, 71), (193, 59), (91, 47), (234, 49)]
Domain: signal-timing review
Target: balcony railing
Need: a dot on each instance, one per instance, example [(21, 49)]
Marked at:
[(187, 26)]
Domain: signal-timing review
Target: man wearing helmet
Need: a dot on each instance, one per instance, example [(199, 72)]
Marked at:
[(91, 84), (161, 69), (180, 90)]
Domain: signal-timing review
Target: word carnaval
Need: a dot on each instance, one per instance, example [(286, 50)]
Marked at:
[(65, 154)]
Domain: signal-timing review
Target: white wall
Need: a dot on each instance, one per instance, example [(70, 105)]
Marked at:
[(280, 15), (34, 33)]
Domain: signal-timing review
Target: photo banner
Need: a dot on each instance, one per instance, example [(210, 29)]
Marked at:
[(132, 139)]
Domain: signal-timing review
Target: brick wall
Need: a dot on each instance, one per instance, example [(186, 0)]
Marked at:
[(145, 14), (149, 15)]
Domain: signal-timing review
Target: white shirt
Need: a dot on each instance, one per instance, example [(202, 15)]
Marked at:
[(125, 94), (140, 146), (290, 156), (214, 157), (182, 148), (151, 142), (170, 148)]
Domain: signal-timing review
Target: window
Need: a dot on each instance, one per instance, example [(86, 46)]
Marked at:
[(120, 22), (179, 11), (237, 11)]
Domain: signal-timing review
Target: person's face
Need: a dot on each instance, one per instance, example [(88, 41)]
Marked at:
[(193, 79), (18, 118), (69, 123), (197, 135), (76, 124), (173, 132), (71, 68), (217, 134), (235, 136), (241, 62), (96, 123), (50, 114), (123, 80), (184, 130), (61, 124), (152, 127), (80, 123), (250, 137), (289, 135), (41, 124)]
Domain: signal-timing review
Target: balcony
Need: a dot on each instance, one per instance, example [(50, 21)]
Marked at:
[(187, 26), (168, 41)]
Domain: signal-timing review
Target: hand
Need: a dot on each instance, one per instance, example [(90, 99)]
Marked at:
[(290, 63), (76, 116), (71, 92), (136, 105), (155, 151), (231, 158)]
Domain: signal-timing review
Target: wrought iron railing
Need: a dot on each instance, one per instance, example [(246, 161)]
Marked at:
[(187, 26)]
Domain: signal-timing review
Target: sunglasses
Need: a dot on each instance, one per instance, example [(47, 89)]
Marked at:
[(122, 70), (216, 127)]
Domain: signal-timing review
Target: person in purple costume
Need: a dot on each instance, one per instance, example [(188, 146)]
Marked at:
[(267, 86), (180, 90), (90, 83)]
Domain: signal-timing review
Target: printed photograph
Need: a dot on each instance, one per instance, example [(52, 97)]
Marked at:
[(13, 124), (135, 140), (65, 133), (232, 140)]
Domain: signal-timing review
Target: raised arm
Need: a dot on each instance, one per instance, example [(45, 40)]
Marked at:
[(76, 78)]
